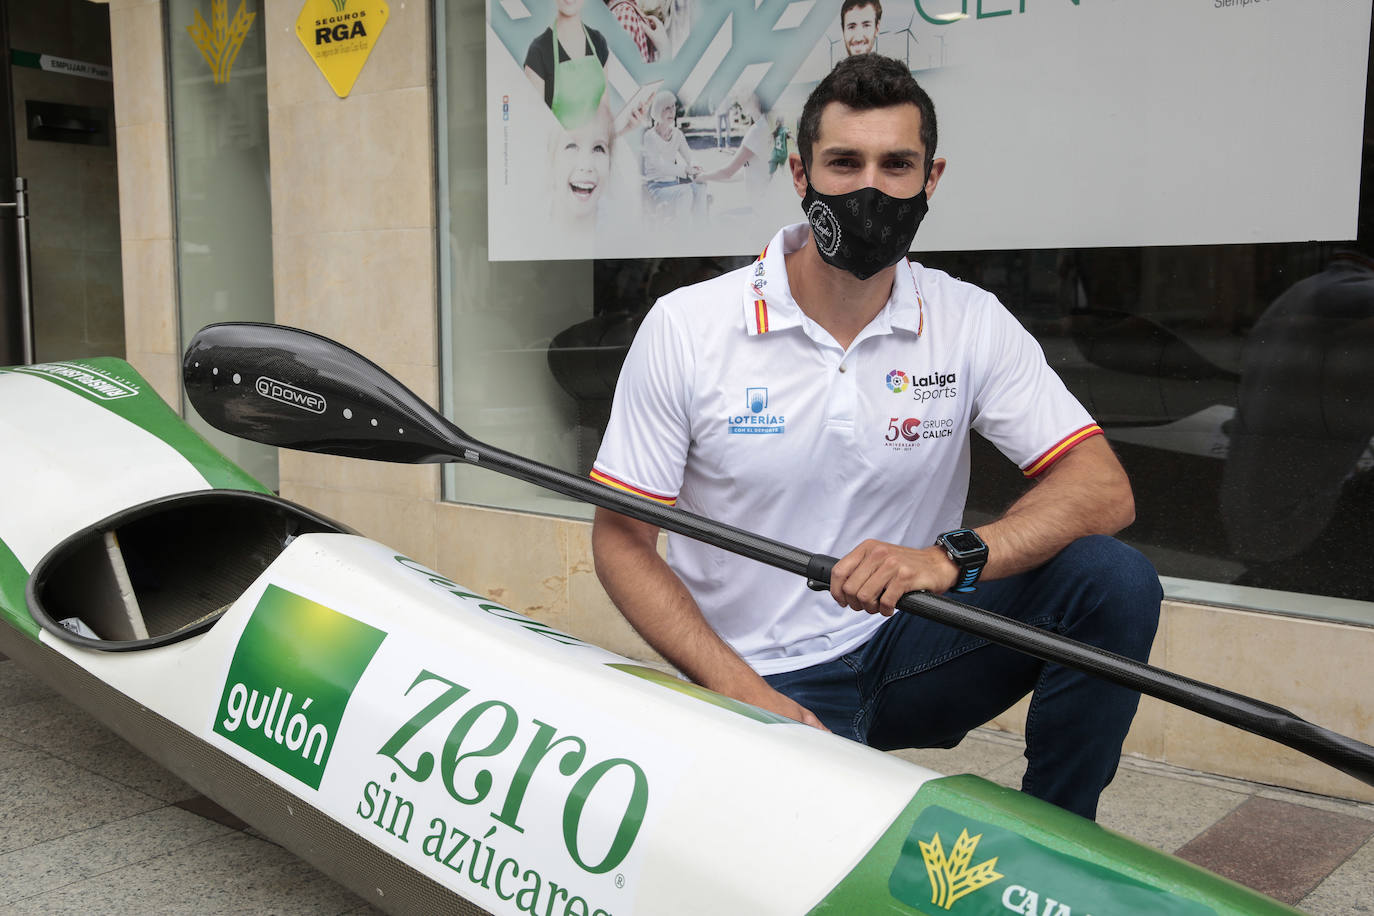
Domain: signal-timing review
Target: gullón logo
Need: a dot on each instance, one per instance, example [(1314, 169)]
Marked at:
[(824, 227), (293, 673), (289, 394)]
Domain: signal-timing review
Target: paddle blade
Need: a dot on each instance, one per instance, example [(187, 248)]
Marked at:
[(291, 388)]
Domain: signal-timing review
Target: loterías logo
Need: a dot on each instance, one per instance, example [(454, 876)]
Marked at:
[(897, 381)]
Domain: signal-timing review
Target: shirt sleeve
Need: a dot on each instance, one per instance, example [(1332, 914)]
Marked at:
[(599, 45), (1020, 403), (538, 59), (758, 140), (645, 446)]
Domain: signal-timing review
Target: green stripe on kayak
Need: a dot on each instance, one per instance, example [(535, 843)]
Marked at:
[(13, 579), (113, 384), (966, 847), (701, 693)]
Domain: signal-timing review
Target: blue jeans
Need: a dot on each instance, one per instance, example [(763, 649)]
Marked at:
[(923, 684)]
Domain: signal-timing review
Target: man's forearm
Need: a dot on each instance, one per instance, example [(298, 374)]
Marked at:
[(1087, 492), (656, 603)]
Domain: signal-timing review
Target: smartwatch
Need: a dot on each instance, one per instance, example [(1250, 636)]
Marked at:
[(967, 551)]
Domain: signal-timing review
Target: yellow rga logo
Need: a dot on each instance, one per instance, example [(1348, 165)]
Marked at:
[(951, 877), (220, 41)]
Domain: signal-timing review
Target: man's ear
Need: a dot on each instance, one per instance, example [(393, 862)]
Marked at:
[(937, 168), (799, 181)]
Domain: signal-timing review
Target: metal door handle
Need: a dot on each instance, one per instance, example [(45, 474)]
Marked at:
[(21, 218)]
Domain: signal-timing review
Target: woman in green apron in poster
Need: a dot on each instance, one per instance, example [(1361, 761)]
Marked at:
[(566, 64)]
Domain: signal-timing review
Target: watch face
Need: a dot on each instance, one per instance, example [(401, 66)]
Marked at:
[(964, 541)]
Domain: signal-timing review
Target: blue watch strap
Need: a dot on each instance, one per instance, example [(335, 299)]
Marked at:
[(966, 579)]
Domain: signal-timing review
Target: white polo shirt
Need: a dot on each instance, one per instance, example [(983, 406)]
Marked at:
[(735, 405)]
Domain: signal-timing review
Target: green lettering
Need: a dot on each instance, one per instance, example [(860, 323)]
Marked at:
[(500, 870), (540, 745), (369, 796), (434, 843), (994, 13), (528, 897), (448, 763), (533, 626), (554, 892), (424, 764), (630, 821), (942, 18), (454, 851)]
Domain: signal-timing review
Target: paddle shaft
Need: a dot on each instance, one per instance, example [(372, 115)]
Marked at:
[(1346, 754)]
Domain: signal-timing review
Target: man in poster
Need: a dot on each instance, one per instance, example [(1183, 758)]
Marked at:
[(859, 24), (826, 393)]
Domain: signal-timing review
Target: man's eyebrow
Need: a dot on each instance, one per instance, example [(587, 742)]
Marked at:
[(904, 153)]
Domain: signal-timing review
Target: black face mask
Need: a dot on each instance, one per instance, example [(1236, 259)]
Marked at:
[(864, 231)]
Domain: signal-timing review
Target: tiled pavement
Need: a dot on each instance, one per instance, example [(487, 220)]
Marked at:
[(89, 825)]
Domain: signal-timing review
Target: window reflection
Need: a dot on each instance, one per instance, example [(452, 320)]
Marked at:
[(1234, 382)]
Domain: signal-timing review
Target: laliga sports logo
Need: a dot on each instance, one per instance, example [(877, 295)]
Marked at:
[(897, 381), (824, 228), (274, 390)]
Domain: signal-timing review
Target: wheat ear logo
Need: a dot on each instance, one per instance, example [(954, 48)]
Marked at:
[(339, 5), (951, 877), (219, 42)]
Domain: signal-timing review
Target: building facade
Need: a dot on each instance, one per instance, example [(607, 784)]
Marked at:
[(249, 188)]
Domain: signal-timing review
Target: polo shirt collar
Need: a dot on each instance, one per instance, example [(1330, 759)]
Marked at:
[(768, 302)]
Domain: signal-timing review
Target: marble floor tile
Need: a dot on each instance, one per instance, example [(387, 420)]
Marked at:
[(1160, 811), (122, 763), (1279, 848), (55, 863), (232, 874), (52, 723), (43, 798), (1348, 890)]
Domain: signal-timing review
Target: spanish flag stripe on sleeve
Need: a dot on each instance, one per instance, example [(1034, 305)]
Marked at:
[(610, 481), (1043, 463), (761, 315)]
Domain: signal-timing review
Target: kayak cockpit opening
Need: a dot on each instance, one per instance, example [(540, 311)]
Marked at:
[(164, 570)]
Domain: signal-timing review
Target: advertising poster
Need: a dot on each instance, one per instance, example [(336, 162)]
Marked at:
[(651, 128)]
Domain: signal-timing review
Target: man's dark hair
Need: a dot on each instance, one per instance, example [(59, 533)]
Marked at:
[(855, 4), (865, 82)]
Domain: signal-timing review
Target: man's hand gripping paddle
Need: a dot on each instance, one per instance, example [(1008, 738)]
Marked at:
[(294, 389)]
